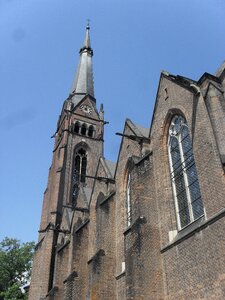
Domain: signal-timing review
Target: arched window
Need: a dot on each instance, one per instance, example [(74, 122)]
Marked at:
[(79, 171), (184, 177), (128, 201), (90, 131), (77, 127), (83, 129)]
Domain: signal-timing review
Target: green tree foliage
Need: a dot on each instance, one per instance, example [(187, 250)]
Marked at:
[(15, 267)]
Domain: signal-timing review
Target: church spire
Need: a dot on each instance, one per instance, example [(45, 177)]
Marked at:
[(83, 83)]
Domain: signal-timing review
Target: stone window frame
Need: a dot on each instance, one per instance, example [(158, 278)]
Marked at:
[(128, 215), (128, 200), (76, 127), (80, 178), (183, 173)]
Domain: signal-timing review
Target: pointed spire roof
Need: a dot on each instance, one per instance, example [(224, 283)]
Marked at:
[(83, 83)]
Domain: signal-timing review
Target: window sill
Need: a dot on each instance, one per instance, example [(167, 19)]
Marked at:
[(193, 228)]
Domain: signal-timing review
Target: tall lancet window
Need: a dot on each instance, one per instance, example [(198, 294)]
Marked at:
[(128, 200), (79, 171), (184, 177)]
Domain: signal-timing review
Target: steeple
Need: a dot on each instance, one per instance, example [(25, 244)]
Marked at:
[(83, 83)]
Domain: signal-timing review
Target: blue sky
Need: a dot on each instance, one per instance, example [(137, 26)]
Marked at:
[(133, 40)]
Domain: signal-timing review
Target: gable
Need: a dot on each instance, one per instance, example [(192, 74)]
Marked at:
[(131, 143), (87, 108), (175, 93)]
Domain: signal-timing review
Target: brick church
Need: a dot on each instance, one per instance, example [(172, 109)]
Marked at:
[(152, 224)]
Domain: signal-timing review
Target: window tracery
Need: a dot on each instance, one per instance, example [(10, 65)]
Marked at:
[(79, 171), (188, 200)]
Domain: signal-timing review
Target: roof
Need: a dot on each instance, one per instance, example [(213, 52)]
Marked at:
[(87, 193), (144, 131), (83, 83), (219, 71), (111, 166), (138, 129)]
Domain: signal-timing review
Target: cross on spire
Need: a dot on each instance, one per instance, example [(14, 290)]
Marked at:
[(88, 24)]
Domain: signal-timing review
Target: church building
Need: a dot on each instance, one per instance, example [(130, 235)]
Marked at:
[(150, 226)]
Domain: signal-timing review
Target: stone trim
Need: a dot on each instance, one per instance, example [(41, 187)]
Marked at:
[(82, 209), (50, 225), (56, 213), (99, 253), (52, 291), (143, 158), (107, 198), (71, 277), (208, 76), (63, 246), (82, 226), (193, 228), (122, 274), (39, 243), (139, 220), (80, 115), (59, 169)]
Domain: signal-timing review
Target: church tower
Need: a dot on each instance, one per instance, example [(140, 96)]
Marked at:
[(77, 149)]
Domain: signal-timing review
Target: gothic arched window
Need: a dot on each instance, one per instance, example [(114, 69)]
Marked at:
[(188, 201), (77, 127), (128, 200), (90, 131), (83, 129), (79, 171)]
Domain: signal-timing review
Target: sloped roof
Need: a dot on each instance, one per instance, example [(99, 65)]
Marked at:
[(139, 130), (144, 131), (220, 70), (83, 83), (87, 191), (111, 166)]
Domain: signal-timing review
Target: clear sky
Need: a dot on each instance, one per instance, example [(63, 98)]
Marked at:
[(133, 41)]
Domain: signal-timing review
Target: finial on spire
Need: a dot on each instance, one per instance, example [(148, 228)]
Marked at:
[(87, 42), (88, 24)]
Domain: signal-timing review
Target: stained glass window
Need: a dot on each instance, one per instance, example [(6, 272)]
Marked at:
[(188, 201), (79, 171), (128, 201)]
